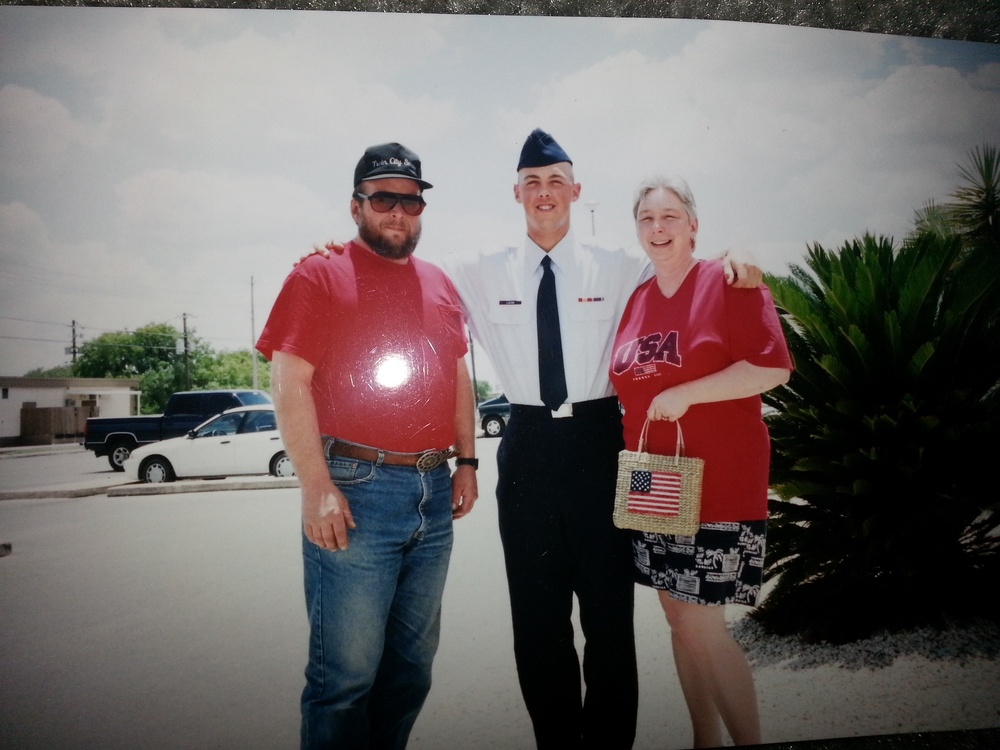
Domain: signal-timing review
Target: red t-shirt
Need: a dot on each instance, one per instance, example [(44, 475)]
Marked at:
[(384, 339), (705, 327)]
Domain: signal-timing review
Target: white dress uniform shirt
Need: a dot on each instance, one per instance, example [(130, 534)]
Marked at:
[(499, 290)]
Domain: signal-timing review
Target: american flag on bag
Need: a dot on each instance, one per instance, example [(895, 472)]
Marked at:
[(655, 493)]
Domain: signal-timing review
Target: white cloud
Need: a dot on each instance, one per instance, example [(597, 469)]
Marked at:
[(787, 137), (200, 211), (184, 151), (987, 77), (36, 133), (20, 230)]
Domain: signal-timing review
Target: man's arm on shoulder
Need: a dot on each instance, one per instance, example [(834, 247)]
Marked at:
[(464, 485), (741, 270), (323, 250), (326, 516)]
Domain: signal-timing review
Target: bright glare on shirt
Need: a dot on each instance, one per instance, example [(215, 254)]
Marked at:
[(392, 372)]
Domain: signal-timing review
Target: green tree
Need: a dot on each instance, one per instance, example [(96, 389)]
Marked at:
[(61, 371), (482, 390), (975, 210), (234, 370), (149, 354), (973, 215), (884, 442)]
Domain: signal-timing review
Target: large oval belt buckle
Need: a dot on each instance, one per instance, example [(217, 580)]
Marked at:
[(430, 460)]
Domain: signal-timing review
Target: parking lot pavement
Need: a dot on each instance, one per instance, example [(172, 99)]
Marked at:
[(184, 615)]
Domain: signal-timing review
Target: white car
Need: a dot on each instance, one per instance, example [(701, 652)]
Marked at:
[(243, 440)]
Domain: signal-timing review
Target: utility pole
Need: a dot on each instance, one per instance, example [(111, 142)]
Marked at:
[(72, 349), (472, 356), (253, 338), (187, 359)]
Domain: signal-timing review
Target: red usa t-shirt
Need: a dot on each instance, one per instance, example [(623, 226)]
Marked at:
[(384, 338), (702, 329)]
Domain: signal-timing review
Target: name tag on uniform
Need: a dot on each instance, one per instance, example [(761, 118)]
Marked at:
[(590, 299), (510, 302)]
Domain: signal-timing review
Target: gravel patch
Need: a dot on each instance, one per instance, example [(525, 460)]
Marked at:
[(959, 644)]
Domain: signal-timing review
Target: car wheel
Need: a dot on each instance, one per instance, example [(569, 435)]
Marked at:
[(118, 454), (155, 470), (281, 466), (493, 426)]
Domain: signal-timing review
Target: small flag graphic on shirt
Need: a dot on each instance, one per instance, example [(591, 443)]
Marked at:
[(655, 493)]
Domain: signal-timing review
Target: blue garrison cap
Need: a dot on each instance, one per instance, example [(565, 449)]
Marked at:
[(540, 150)]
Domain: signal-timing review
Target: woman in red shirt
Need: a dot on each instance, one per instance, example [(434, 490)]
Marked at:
[(690, 346)]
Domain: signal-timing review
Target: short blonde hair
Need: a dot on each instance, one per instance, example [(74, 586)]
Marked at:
[(566, 167), (676, 185)]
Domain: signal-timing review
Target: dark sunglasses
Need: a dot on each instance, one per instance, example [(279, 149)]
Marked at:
[(383, 203)]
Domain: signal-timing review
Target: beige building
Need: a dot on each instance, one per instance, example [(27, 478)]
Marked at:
[(36, 411)]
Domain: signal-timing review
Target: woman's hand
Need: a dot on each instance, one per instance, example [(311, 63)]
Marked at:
[(739, 380), (669, 405)]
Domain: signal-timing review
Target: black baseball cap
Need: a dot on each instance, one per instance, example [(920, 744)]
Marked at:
[(389, 160)]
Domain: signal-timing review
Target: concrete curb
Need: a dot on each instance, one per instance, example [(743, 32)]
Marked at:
[(175, 488), (68, 492), (166, 488), (29, 451)]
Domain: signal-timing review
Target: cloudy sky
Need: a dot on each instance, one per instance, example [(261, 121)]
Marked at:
[(154, 161)]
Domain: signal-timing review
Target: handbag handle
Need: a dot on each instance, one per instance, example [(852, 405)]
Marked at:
[(680, 438)]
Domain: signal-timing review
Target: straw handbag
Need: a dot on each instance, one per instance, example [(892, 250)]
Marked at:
[(661, 494)]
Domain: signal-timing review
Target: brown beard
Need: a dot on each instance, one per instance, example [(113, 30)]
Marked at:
[(385, 247)]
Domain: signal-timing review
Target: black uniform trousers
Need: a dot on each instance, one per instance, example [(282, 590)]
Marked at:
[(555, 498)]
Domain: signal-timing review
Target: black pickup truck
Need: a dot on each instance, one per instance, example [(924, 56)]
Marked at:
[(117, 437)]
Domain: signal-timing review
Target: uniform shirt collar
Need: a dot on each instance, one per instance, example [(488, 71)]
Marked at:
[(563, 255)]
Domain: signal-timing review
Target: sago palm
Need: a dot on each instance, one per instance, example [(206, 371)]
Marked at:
[(885, 442)]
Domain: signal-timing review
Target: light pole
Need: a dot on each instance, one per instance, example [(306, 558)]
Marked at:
[(593, 226)]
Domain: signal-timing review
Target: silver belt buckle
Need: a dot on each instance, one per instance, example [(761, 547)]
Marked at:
[(564, 410), (430, 460)]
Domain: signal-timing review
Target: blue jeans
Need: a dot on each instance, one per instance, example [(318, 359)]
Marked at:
[(375, 609)]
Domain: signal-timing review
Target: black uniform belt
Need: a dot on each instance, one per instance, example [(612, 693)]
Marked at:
[(424, 461), (599, 407)]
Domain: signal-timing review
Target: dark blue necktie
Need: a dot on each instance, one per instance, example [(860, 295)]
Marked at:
[(551, 372)]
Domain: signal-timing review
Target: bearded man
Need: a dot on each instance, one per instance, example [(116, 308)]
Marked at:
[(373, 396)]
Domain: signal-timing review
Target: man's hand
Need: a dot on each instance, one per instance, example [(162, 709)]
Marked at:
[(740, 268), (323, 250), (464, 491), (326, 517)]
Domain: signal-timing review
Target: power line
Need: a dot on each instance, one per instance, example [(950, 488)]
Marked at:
[(39, 322), (28, 338), (181, 342), (103, 343)]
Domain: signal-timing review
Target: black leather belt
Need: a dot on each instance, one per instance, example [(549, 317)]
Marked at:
[(596, 407), (424, 461)]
